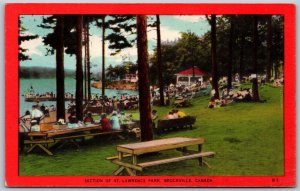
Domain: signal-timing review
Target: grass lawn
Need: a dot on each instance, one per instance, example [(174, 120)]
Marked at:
[(247, 139)]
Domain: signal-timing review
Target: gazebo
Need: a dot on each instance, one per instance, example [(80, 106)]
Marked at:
[(186, 77)]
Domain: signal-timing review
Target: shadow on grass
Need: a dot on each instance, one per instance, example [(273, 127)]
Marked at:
[(232, 140)]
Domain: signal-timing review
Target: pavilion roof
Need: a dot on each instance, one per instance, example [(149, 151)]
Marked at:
[(189, 71)]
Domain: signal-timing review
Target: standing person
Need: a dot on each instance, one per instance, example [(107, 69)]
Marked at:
[(105, 124), (115, 122), (43, 108), (154, 117), (38, 105), (168, 97), (154, 114), (36, 114), (24, 128), (46, 113)]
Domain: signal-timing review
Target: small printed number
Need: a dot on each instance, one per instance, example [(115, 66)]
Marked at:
[(275, 180)]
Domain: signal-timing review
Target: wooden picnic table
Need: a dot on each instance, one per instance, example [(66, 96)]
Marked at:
[(64, 135), (133, 150), (65, 130)]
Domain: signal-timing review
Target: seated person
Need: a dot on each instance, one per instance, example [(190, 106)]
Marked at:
[(123, 118), (88, 118), (212, 103), (175, 115), (46, 112), (247, 97), (105, 124), (180, 114), (170, 115), (218, 102), (115, 122), (27, 118), (73, 120)]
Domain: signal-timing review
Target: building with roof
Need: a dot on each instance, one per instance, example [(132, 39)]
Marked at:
[(133, 78), (186, 77)]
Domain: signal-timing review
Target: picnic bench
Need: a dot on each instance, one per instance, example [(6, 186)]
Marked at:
[(164, 125), (63, 135), (39, 139), (134, 150)]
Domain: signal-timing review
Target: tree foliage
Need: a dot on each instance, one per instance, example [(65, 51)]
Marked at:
[(191, 48), (122, 27), (119, 71), (23, 36)]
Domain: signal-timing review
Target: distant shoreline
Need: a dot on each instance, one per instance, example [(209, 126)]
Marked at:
[(41, 72)]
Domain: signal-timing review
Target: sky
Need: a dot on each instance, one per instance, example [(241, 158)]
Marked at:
[(171, 26)]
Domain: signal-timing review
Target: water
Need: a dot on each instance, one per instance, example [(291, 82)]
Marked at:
[(48, 85)]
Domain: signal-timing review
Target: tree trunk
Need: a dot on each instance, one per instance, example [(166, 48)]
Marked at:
[(79, 80), (230, 59), (103, 56), (241, 72), (276, 71), (255, 47), (269, 47), (214, 56), (88, 60), (159, 64), (60, 74), (85, 64), (143, 74)]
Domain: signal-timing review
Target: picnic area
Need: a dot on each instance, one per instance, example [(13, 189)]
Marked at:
[(246, 137), (132, 102)]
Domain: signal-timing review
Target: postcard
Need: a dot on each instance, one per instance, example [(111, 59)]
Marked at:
[(150, 95)]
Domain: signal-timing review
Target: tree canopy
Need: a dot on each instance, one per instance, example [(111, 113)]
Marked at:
[(191, 48), (23, 36)]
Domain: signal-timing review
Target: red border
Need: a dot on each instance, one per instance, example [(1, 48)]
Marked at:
[(12, 11)]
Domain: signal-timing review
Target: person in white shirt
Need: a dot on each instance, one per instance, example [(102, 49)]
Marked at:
[(36, 114)]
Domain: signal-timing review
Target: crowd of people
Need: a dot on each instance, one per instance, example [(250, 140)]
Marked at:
[(227, 97), (38, 95), (123, 102), (31, 94), (31, 119), (278, 82), (107, 123), (241, 94), (108, 105)]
